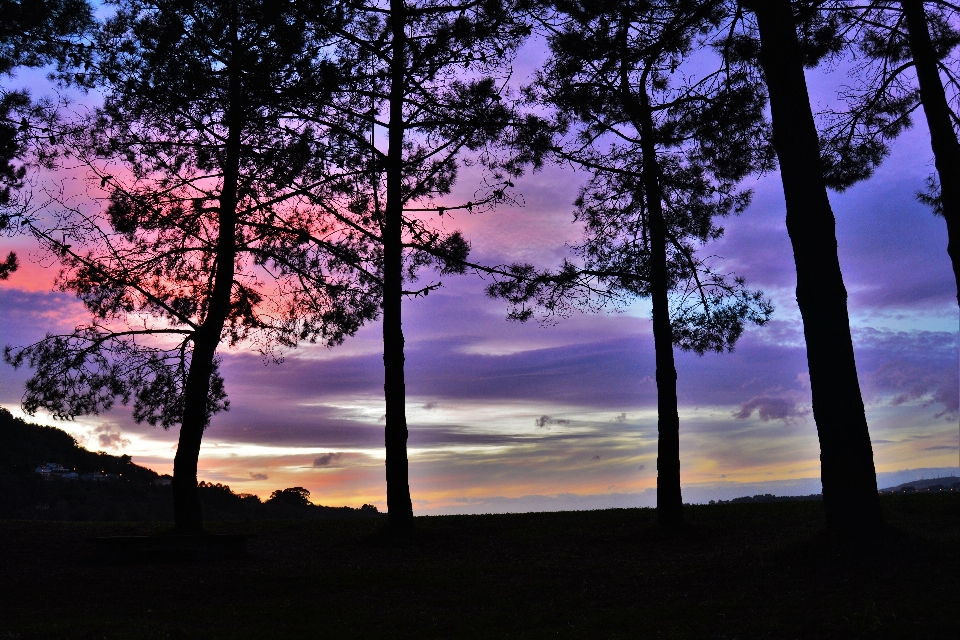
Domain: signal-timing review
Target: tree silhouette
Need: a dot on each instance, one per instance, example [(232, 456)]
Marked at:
[(43, 33), (894, 39), (291, 497), (215, 229), (665, 153), (846, 456), (430, 76)]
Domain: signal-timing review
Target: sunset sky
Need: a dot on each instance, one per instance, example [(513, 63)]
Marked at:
[(518, 417)]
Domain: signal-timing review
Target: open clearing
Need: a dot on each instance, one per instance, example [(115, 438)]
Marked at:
[(738, 571)]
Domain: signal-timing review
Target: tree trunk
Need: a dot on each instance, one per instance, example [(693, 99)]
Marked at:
[(187, 514), (399, 506), (186, 498), (943, 137), (846, 456), (669, 499)]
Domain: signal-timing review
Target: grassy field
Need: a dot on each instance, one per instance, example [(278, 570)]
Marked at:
[(738, 571)]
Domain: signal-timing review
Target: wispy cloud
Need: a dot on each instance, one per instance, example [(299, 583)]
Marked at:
[(770, 408)]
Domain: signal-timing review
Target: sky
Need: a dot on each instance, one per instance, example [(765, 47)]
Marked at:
[(526, 417)]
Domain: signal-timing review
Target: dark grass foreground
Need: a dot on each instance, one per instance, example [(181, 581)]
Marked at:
[(738, 571)]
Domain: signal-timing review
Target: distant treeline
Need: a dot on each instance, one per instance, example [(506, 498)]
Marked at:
[(768, 497), (135, 496)]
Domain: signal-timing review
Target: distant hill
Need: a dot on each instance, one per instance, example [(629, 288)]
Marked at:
[(947, 481), (130, 495), (24, 446)]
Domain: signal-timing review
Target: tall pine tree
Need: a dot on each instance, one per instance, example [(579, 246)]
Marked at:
[(215, 231), (664, 153), (846, 455), (429, 76)]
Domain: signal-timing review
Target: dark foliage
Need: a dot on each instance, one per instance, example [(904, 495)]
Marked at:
[(33, 33), (664, 153), (216, 228), (9, 265), (608, 58), (292, 497), (154, 250), (883, 95), (28, 497)]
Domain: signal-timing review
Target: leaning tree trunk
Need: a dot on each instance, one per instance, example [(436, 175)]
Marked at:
[(187, 513), (399, 506), (847, 472), (943, 137), (186, 498)]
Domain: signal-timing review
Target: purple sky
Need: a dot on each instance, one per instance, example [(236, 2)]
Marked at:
[(507, 416)]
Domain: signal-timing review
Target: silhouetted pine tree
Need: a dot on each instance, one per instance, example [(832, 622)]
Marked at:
[(665, 153), (215, 230), (846, 456), (430, 75)]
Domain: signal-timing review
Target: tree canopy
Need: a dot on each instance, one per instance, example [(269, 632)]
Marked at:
[(34, 34)]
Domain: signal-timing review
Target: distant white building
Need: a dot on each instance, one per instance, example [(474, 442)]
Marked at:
[(50, 470)]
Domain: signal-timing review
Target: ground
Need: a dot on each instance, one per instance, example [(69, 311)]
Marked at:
[(737, 571)]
